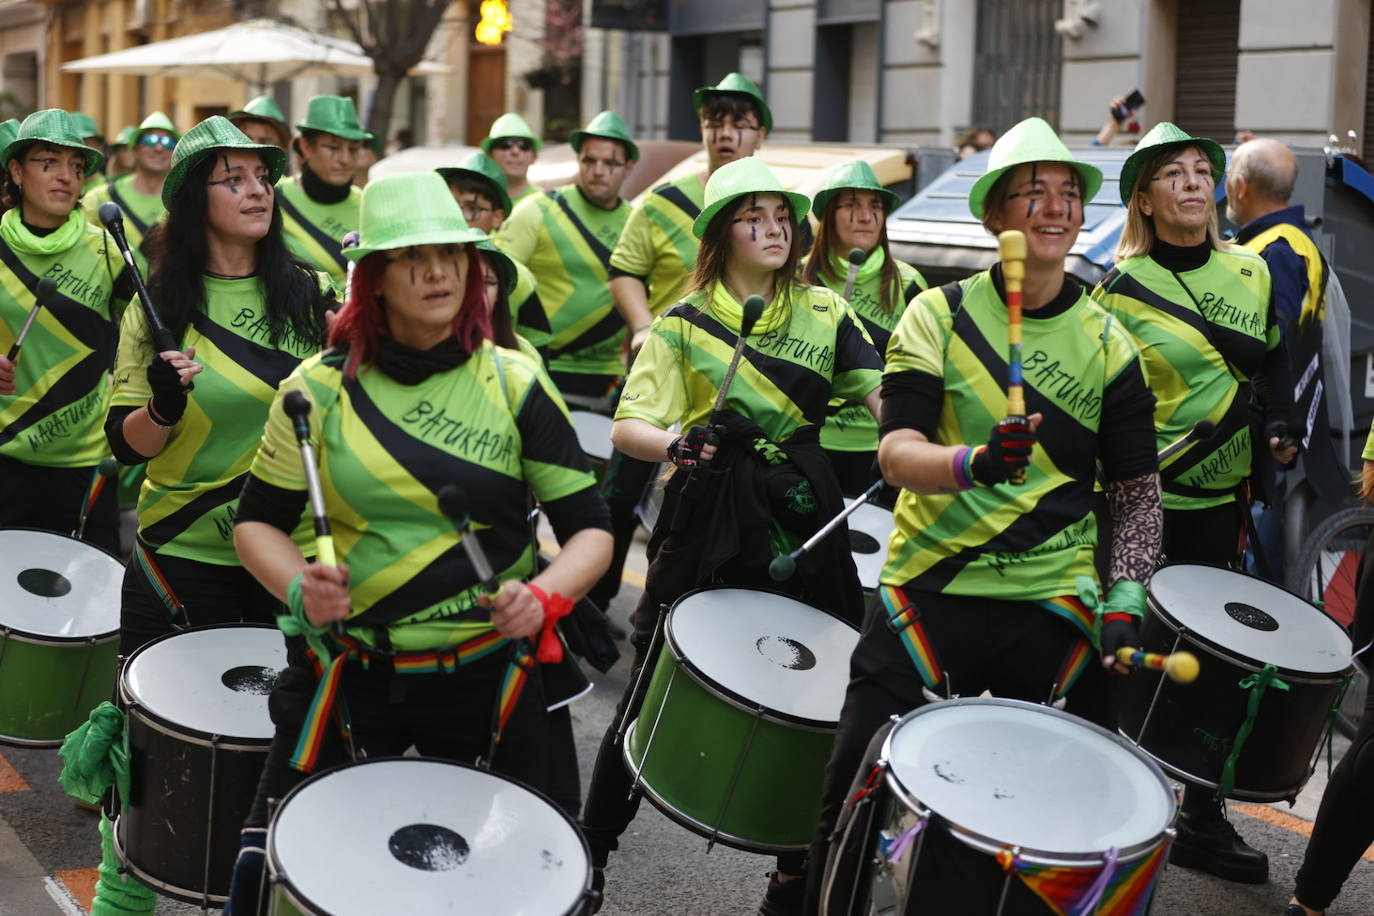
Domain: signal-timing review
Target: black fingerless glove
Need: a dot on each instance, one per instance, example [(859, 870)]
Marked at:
[(1278, 429), (1118, 633), (1008, 451), (685, 450), (169, 395)]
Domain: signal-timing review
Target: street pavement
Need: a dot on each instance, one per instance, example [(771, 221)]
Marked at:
[(49, 848)]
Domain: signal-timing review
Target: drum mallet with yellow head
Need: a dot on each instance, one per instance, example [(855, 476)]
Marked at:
[(856, 259), (1181, 667), (1011, 249)]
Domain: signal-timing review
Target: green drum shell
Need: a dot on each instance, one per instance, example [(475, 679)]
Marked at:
[(49, 685), (700, 732)]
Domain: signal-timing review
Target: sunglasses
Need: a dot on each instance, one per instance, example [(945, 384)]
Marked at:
[(519, 143), (153, 141)]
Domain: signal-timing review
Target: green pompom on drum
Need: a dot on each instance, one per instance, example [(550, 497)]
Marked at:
[(739, 717)]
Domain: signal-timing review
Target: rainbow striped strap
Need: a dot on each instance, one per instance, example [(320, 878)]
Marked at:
[(322, 706), (903, 618), (93, 491), (1116, 889), (512, 685), (156, 580)]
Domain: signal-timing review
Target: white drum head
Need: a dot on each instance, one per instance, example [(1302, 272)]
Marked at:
[(1030, 776), (1252, 618), (593, 433), (214, 680), (420, 836), (771, 649), (56, 586), (870, 529)]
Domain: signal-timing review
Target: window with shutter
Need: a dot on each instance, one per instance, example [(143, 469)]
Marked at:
[(1018, 62), (1208, 52)]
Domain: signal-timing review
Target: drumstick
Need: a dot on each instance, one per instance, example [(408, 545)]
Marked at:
[(1201, 430), (856, 258), (454, 504), (752, 312), (350, 240), (784, 567), (112, 218), (1011, 248), (297, 407), (1180, 667), (41, 293)]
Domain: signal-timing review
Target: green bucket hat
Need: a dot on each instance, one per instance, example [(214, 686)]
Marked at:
[(55, 126), (214, 134), (857, 175), (334, 114), (1032, 140), (1162, 136), (263, 108), (608, 126), (510, 124), (735, 84), (156, 121), (86, 126), (8, 131), (484, 167), (503, 263), (411, 209), (735, 179), (126, 137)]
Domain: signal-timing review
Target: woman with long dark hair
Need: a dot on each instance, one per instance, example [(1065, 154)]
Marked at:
[(853, 210)]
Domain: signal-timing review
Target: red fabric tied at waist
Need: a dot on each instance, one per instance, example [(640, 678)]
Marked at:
[(556, 606)]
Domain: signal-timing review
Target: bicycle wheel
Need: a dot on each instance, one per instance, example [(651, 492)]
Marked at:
[(1326, 573)]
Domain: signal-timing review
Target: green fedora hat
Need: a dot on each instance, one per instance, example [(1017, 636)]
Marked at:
[(608, 126), (735, 84), (126, 137), (503, 262), (156, 121), (334, 114), (510, 124), (8, 131), (735, 179), (55, 126), (86, 126), (1032, 140), (213, 135), (263, 108), (399, 211), (856, 175), (484, 167), (1163, 136)]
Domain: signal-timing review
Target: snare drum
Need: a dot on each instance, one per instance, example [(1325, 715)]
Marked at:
[(991, 806), (418, 836), (870, 530), (198, 734), (740, 715), (594, 438), (59, 634), (1237, 626)]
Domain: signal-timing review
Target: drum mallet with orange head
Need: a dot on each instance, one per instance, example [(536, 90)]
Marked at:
[(1180, 667), (856, 259), (784, 567), (1011, 249), (41, 294)]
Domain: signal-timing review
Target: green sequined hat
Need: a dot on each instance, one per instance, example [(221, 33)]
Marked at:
[(857, 175), (399, 211), (214, 134), (735, 179), (735, 84), (608, 126), (1032, 140), (156, 121), (510, 124), (485, 168), (1163, 136), (334, 114), (55, 126)]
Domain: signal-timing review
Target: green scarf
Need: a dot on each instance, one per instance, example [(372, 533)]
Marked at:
[(868, 270), (22, 241), (731, 313)]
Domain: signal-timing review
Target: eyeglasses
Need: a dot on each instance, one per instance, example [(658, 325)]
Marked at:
[(474, 211), (152, 141), (519, 143)]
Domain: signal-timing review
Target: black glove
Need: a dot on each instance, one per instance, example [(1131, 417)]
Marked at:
[(1008, 451), (169, 394), (1118, 633), (685, 450), (1278, 429)]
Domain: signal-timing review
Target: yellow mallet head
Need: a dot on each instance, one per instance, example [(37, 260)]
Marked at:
[(1011, 249), (1182, 667)]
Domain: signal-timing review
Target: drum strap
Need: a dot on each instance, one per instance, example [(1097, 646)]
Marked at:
[(154, 577), (1117, 889), (1257, 684), (904, 619)]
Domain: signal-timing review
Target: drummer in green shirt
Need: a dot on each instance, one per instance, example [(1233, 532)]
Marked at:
[(514, 147), (320, 206), (121, 161), (139, 194)]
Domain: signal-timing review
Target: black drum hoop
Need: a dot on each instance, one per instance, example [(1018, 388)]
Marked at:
[(730, 697), (57, 642)]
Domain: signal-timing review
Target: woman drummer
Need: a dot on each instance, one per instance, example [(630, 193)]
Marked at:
[(53, 396), (990, 582), (763, 451), (853, 210), (413, 397), (1200, 311)]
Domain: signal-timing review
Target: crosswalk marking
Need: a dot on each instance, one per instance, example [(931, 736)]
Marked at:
[(10, 780)]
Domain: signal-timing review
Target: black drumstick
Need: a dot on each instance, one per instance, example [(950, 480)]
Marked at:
[(112, 218), (454, 504), (41, 294)]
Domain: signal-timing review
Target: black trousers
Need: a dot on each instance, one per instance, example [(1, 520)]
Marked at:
[(1204, 535), (208, 594), (1014, 649), (626, 480), (50, 499)]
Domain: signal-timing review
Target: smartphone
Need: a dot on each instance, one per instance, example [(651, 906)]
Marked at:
[(1129, 107)]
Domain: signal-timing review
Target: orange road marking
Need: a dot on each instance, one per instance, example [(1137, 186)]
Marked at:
[(10, 780), (80, 883), (1286, 821)]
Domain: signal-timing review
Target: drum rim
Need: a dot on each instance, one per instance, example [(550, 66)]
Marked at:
[(166, 726), (1246, 662), (67, 537), (277, 877), (991, 845), (727, 695)]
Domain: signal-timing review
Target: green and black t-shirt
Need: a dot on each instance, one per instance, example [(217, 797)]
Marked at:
[(1081, 372), (187, 504), (566, 242), (494, 426), (1202, 333), (314, 231), (657, 245)]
